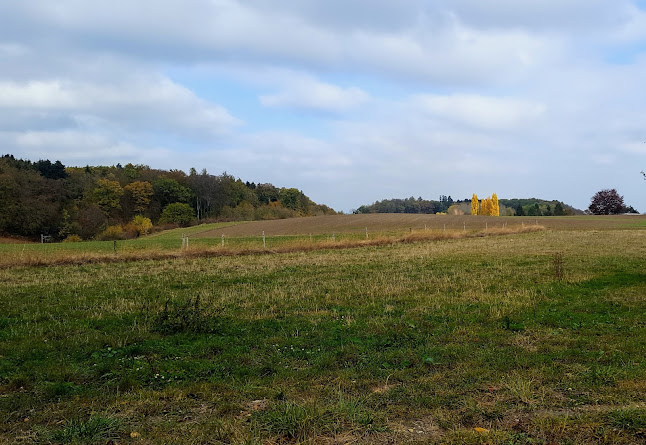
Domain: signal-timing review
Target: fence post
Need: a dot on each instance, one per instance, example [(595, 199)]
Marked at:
[(310, 237), (115, 246), (444, 228), (465, 226), (223, 240), (366, 233), (333, 237), (264, 245)]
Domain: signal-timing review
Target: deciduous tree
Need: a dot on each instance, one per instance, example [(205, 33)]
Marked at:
[(606, 202), (177, 213), (474, 204), (140, 193), (495, 205), (107, 195)]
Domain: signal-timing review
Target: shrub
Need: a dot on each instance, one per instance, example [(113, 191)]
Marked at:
[(178, 213), (73, 239), (112, 233), (140, 225)]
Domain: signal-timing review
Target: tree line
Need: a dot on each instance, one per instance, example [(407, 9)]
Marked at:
[(409, 205), (45, 197), (446, 204)]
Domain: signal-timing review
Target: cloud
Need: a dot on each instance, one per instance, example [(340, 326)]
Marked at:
[(365, 99), (309, 94), (80, 148), (135, 104), (488, 113), (435, 45)]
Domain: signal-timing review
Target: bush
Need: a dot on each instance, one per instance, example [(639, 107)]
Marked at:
[(73, 239), (112, 233), (140, 225), (178, 213)]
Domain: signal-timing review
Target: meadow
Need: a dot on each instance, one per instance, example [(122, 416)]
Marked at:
[(522, 337)]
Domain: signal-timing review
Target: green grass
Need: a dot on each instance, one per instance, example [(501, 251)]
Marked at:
[(175, 234), (171, 240), (165, 240), (410, 342)]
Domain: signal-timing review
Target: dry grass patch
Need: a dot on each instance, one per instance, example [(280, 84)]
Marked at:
[(38, 259)]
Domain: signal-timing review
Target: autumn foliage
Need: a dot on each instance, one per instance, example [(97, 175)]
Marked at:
[(475, 204), (488, 206)]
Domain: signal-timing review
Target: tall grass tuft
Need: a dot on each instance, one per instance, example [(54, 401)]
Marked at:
[(188, 317), (97, 429)]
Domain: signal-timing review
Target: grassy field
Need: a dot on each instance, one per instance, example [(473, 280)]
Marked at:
[(527, 338), (171, 244), (385, 223)]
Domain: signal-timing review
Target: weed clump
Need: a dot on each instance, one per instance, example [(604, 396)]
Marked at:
[(628, 419), (290, 421), (189, 317), (97, 429)]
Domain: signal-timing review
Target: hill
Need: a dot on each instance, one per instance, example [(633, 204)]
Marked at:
[(45, 198)]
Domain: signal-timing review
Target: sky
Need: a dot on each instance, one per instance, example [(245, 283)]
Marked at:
[(351, 101)]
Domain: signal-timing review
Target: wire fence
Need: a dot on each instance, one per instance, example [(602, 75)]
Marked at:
[(184, 241)]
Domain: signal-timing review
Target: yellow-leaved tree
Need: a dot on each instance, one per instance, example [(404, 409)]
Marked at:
[(495, 207), (488, 206), (474, 204), (485, 206)]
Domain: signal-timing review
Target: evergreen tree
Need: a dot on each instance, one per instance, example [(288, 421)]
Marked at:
[(519, 210)]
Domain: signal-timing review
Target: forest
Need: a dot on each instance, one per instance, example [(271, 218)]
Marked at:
[(108, 202)]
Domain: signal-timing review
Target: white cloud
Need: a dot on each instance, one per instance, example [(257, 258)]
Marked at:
[(522, 98), (633, 28), (488, 113), (435, 46), (310, 94), (134, 103), (80, 148)]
